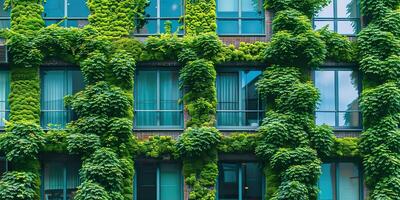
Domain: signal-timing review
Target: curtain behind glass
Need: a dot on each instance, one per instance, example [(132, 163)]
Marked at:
[(170, 182), (73, 180), (54, 88), (169, 98), (4, 92), (228, 182), (53, 181), (146, 184), (252, 181), (146, 98), (228, 99)]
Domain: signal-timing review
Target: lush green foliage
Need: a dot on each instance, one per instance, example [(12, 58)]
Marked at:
[(91, 191), (159, 146), (307, 7), (196, 142), (19, 186), (200, 16)]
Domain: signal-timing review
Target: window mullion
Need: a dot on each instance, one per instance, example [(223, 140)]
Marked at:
[(158, 98), (158, 183), (65, 12), (158, 16), (65, 182), (240, 181), (336, 78), (240, 17)]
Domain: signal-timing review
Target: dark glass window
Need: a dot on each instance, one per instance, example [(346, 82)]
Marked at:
[(157, 100), (240, 17), (339, 90), (56, 84), (60, 180), (162, 181), (4, 16), (238, 104), (341, 16), (159, 12), (4, 92), (340, 181), (240, 181), (74, 12)]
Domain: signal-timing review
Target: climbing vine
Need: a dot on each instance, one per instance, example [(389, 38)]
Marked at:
[(378, 50)]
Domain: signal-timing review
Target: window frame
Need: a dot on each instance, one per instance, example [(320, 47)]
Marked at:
[(337, 111), (7, 108), (66, 109), (65, 163), (6, 18), (239, 19), (336, 163), (158, 126), (157, 165), (64, 19), (158, 20), (335, 19), (262, 106), (240, 165)]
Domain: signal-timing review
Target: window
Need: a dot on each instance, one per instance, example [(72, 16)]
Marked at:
[(161, 181), (341, 16), (339, 90), (56, 84), (241, 181), (75, 12), (5, 18), (239, 104), (240, 17), (340, 181), (4, 92), (157, 100), (159, 12), (3, 166), (60, 180)]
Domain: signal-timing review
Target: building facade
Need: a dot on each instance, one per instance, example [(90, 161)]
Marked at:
[(140, 100)]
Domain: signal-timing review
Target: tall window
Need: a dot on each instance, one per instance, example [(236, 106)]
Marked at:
[(159, 12), (4, 16), (4, 92), (341, 16), (157, 100), (161, 181), (239, 104), (339, 90), (75, 12), (60, 180), (56, 84), (241, 181), (240, 17), (340, 181)]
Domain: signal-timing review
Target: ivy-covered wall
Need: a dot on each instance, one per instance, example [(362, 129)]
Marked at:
[(289, 144)]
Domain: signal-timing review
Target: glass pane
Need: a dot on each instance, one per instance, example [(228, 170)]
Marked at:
[(170, 8), (151, 10), (253, 27), (227, 8), (251, 8), (175, 25), (54, 8), (4, 92), (326, 11), (149, 28), (321, 24), (348, 90), (349, 181), (227, 26), (250, 98), (3, 166), (73, 180), (146, 182), (347, 8), (228, 99), (54, 88), (252, 185), (78, 23), (49, 22), (327, 118), (170, 182), (228, 182), (77, 8), (4, 13), (349, 119), (53, 181), (169, 98), (5, 23), (325, 82), (327, 182), (146, 98), (347, 27)]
